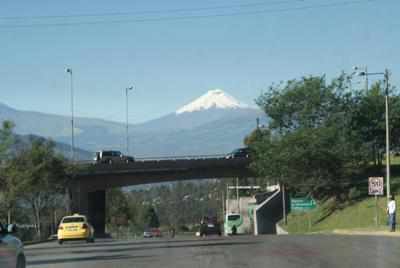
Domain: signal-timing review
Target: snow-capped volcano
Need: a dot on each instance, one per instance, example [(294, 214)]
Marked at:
[(216, 98)]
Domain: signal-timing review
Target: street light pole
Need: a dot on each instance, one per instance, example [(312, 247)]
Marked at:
[(364, 73), (127, 120), (237, 194), (386, 80), (69, 70), (387, 134)]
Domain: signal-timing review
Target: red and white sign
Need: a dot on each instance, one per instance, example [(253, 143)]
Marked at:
[(375, 185)]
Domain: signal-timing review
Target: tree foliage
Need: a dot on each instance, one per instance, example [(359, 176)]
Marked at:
[(180, 204), (368, 119), (6, 139), (7, 196), (151, 219), (321, 135), (36, 177), (118, 210)]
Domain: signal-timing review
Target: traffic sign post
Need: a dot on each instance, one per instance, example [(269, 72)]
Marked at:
[(376, 211), (375, 187)]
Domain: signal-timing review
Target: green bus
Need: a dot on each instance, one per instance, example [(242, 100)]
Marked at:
[(232, 224)]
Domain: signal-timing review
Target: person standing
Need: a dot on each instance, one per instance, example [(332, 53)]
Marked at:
[(172, 232), (391, 211)]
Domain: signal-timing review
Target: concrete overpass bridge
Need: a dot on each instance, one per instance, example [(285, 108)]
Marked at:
[(87, 188)]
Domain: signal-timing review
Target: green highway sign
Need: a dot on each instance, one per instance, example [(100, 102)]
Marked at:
[(302, 204)]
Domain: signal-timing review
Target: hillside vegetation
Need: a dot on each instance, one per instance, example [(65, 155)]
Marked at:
[(324, 138), (357, 213)]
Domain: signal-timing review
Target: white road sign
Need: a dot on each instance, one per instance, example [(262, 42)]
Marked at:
[(375, 185)]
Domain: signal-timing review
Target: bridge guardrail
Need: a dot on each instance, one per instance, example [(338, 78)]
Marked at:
[(181, 157), (164, 158)]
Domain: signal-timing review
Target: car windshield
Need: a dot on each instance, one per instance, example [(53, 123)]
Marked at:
[(227, 133), (233, 217), (73, 220), (107, 153)]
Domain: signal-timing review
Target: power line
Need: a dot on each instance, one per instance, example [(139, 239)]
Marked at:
[(177, 10), (187, 17)]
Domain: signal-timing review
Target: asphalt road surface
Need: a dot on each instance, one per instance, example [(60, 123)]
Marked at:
[(220, 252)]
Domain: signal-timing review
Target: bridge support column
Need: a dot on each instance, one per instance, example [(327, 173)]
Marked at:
[(79, 199), (92, 204), (97, 211)]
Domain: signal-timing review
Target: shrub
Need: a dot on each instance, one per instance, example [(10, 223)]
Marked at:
[(354, 193)]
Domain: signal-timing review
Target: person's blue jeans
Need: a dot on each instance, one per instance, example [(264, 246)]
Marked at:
[(392, 221)]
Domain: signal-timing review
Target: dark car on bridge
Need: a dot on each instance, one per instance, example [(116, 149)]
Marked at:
[(239, 153), (111, 157)]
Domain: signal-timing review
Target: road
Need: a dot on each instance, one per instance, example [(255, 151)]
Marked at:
[(233, 252)]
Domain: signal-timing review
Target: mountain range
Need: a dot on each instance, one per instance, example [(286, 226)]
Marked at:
[(22, 142), (215, 123)]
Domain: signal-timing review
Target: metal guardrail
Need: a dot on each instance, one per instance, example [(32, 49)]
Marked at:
[(182, 157), (164, 158)]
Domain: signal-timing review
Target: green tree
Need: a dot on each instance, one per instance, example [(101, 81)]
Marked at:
[(179, 204), (118, 212), (252, 137), (151, 218), (6, 139), (37, 177), (369, 120), (7, 194), (310, 143)]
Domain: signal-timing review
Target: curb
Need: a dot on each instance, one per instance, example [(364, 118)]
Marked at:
[(280, 230), (382, 233), (28, 243)]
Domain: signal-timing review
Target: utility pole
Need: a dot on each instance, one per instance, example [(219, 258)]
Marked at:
[(284, 203), (223, 205), (237, 194), (386, 85), (227, 208), (127, 120), (387, 134), (69, 70), (55, 220), (364, 72)]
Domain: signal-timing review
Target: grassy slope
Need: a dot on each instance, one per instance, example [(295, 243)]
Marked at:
[(357, 214)]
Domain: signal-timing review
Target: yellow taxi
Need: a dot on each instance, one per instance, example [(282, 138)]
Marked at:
[(75, 227)]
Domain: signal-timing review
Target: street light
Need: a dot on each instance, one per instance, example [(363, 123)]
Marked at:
[(386, 79), (69, 71), (127, 122), (365, 73)]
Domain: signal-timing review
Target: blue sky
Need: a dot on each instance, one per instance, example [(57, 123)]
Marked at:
[(171, 62)]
